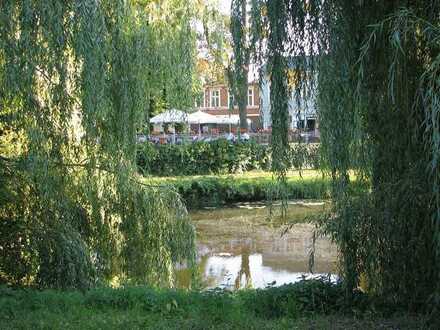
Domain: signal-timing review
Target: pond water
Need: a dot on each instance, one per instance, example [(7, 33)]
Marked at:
[(238, 246)]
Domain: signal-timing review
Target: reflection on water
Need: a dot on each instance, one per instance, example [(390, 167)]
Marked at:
[(238, 248), (246, 271)]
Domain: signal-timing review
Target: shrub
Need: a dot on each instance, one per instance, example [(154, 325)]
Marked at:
[(291, 300)]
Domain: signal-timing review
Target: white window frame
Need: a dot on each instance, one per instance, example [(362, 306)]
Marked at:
[(250, 93), (215, 98)]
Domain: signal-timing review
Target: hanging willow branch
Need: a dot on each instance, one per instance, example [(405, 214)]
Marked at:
[(376, 64), (76, 78), (284, 50)]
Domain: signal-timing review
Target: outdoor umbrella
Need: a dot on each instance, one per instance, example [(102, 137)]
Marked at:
[(171, 116), (200, 117)]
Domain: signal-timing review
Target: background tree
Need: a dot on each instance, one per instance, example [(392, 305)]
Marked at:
[(171, 75), (214, 42)]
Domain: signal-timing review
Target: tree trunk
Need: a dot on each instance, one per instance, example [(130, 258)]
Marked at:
[(241, 59), (244, 69), (242, 90)]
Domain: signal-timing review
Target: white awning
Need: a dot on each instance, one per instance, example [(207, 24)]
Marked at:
[(170, 116), (200, 117), (230, 119)]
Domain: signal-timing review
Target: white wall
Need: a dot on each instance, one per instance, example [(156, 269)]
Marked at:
[(305, 109)]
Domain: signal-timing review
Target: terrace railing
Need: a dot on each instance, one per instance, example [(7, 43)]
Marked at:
[(258, 137)]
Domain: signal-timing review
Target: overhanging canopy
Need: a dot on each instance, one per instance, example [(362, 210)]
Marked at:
[(170, 116), (200, 117), (230, 119)]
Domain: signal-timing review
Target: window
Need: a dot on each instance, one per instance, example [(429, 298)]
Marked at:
[(215, 98), (250, 96), (231, 100)]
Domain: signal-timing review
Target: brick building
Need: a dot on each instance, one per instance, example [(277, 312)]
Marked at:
[(302, 112), (216, 100)]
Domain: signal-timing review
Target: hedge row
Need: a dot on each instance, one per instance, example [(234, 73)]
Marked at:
[(217, 157)]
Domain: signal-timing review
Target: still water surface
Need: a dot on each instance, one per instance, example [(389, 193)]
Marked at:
[(239, 247)]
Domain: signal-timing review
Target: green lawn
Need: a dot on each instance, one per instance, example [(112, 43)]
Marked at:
[(85, 318), (251, 176), (294, 307), (214, 190)]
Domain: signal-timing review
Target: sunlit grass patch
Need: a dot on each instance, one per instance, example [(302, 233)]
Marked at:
[(214, 190)]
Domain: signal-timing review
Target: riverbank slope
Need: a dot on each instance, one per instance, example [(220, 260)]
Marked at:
[(214, 190)]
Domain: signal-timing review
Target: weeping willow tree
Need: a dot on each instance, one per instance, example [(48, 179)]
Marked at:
[(75, 81), (377, 64), (171, 53)]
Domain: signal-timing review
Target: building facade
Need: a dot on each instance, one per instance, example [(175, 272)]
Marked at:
[(302, 109), (217, 100)]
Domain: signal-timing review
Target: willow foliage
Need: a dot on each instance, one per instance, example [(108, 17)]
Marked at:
[(377, 65), (75, 81), (283, 48), (171, 52)]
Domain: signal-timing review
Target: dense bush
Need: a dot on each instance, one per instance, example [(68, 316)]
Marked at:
[(217, 157), (293, 300)]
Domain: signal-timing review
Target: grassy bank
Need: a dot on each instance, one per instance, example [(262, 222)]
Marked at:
[(210, 190), (306, 305)]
